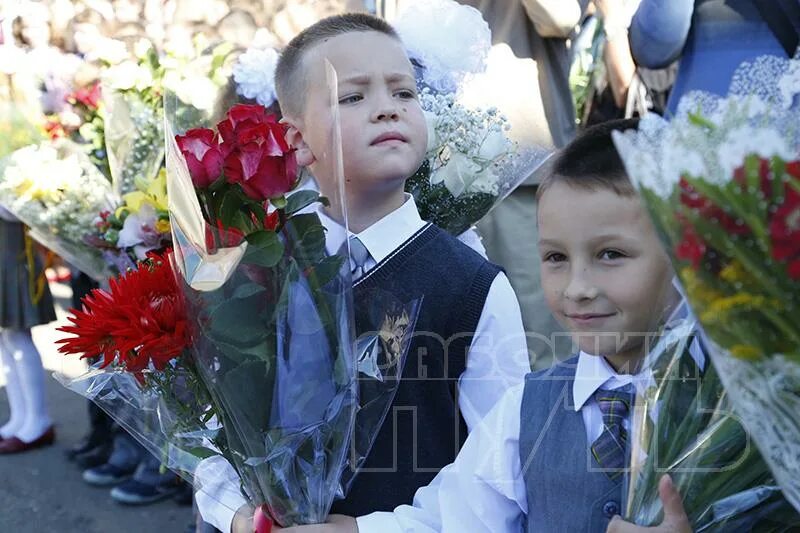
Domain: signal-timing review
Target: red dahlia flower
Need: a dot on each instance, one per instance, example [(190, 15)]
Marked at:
[(140, 320)]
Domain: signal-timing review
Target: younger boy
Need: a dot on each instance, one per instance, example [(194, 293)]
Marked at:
[(549, 456), (468, 306)]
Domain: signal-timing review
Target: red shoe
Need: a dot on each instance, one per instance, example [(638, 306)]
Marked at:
[(15, 445)]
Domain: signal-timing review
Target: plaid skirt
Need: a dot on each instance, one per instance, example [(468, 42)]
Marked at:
[(17, 308)]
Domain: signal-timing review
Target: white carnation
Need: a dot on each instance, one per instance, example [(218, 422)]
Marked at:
[(254, 74)]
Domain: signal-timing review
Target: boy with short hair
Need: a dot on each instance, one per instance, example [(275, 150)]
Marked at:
[(469, 313), (549, 457)]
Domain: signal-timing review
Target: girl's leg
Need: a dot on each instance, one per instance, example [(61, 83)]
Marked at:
[(16, 400), (30, 374)]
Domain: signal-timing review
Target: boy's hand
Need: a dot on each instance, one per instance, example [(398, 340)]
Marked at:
[(675, 519), (336, 524)]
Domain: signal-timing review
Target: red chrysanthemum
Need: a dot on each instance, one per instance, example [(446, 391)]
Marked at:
[(140, 320)]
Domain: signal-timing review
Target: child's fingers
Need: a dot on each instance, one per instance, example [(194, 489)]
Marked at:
[(674, 513), (618, 525)]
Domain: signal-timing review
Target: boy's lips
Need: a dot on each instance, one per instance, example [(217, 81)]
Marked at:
[(391, 136), (586, 319)]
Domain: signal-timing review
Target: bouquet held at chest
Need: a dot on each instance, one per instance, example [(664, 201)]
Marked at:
[(721, 181)]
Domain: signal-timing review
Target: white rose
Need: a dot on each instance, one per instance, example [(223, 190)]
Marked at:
[(495, 145), (457, 174)]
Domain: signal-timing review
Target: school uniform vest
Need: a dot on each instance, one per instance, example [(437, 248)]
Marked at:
[(566, 490), (423, 430)]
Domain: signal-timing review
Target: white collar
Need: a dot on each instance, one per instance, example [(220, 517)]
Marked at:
[(592, 373), (387, 234)]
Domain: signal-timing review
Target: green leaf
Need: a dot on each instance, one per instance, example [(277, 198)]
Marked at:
[(247, 290), (326, 270), (202, 453), (248, 390), (229, 208), (230, 322), (264, 249), (301, 200), (306, 238)]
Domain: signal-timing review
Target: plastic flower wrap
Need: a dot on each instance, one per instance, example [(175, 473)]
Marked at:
[(144, 377), (139, 226), (134, 119), (269, 301), (477, 153), (722, 183), (194, 83), (57, 191)]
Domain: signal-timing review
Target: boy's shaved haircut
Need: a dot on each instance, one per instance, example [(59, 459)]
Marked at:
[(592, 161), (290, 74)]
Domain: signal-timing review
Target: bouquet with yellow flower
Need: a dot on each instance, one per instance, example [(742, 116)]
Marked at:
[(721, 181), (139, 226), (57, 191)]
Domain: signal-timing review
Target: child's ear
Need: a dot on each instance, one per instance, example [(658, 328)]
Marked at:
[(294, 137)]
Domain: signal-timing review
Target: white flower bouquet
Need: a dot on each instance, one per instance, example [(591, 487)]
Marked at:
[(55, 189), (474, 158)]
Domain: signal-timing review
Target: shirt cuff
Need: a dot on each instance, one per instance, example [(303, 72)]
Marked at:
[(381, 522)]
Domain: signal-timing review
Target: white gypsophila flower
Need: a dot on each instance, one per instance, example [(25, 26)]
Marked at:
[(450, 40), (789, 84), (744, 141), (468, 140), (254, 74)]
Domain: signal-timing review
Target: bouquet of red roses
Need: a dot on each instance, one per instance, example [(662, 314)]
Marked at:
[(269, 305)]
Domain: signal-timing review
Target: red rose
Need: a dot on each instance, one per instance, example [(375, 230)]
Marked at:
[(784, 229), (241, 117), (204, 155), (261, 175)]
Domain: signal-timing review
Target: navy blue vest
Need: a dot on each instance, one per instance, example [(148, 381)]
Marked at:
[(423, 430), (566, 491)]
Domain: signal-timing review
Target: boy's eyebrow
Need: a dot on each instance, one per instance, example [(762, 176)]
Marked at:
[(547, 242), (366, 79)]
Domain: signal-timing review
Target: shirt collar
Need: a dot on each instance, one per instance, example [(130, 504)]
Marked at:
[(387, 234), (592, 373)]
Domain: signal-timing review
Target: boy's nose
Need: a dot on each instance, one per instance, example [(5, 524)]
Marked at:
[(580, 288), (386, 113)]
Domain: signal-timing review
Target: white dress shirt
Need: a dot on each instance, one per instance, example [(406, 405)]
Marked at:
[(497, 358), (483, 490)]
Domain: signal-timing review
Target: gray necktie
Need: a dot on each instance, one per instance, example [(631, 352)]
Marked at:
[(358, 257)]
